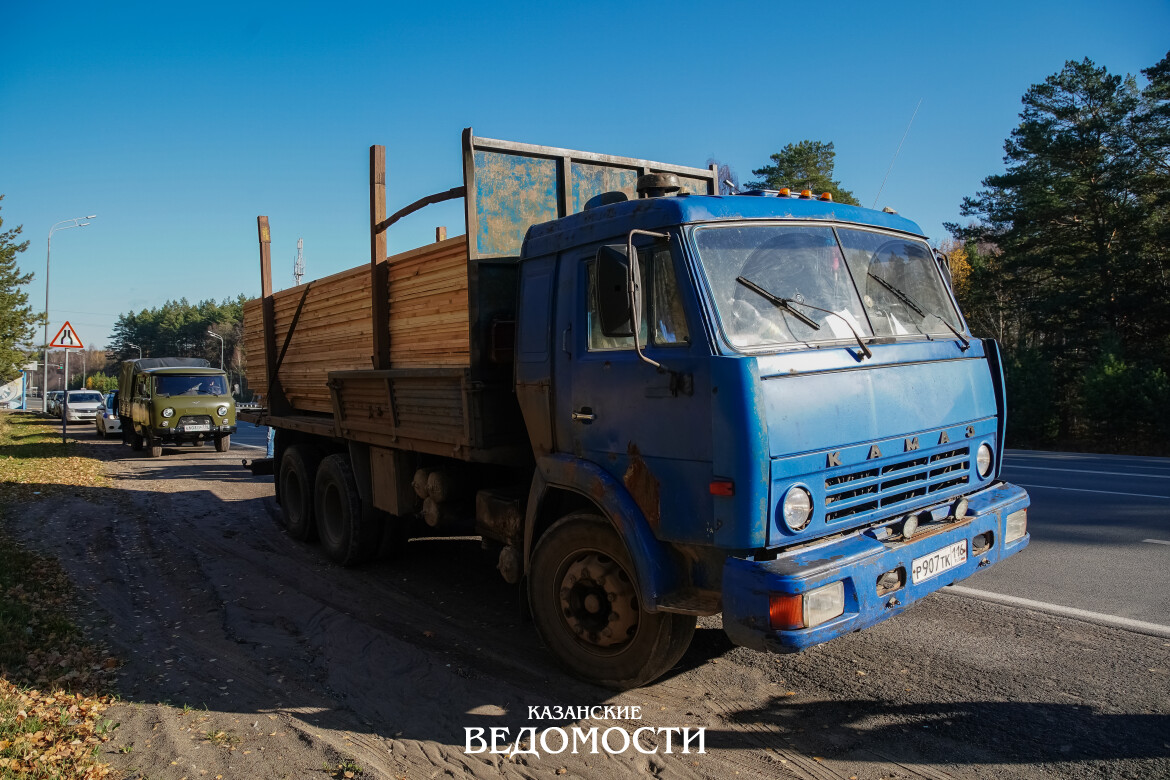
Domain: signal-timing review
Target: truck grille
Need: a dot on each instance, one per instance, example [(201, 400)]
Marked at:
[(877, 487)]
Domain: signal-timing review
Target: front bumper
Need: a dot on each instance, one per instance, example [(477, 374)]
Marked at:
[(82, 416), (858, 560), (173, 435)]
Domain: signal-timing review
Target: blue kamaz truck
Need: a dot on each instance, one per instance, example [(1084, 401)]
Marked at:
[(651, 401)]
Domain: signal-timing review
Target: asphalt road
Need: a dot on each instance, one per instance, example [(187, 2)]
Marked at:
[(251, 436), (1100, 528)]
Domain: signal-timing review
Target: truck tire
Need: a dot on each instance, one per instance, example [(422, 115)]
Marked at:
[(298, 469), (349, 535), (584, 600), (223, 443)]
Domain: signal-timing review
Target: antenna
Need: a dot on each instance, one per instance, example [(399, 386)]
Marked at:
[(299, 263), (879, 192)]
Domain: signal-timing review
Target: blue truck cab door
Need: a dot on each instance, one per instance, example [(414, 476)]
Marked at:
[(648, 428)]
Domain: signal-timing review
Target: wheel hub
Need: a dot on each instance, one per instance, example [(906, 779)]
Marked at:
[(598, 601)]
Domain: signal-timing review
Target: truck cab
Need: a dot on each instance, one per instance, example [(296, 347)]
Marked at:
[(801, 431)]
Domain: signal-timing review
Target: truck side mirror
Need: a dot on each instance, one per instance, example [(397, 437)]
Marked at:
[(614, 306)]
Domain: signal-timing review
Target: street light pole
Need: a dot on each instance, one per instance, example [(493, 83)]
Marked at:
[(213, 333), (64, 224), (135, 346)]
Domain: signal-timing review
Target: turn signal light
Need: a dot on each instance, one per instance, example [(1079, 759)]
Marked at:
[(786, 612), (722, 487)]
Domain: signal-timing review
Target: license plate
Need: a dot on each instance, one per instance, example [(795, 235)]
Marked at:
[(196, 428), (938, 561)]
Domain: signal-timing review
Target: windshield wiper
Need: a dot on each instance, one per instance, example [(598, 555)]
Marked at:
[(786, 305), (778, 302), (864, 349), (899, 294), (906, 299)]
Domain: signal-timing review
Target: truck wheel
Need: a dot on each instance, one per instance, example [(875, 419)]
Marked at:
[(585, 604), (349, 535), (298, 468), (223, 443)]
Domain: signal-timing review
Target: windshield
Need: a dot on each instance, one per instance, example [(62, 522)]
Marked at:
[(190, 385), (899, 283), (85, 398), (803, 265), (792, 285)]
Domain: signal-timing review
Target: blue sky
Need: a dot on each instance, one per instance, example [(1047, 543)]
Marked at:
[(179, 124)]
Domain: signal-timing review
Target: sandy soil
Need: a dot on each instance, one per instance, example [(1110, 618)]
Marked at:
[(247, 655)]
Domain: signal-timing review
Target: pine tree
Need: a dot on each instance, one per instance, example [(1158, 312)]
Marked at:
[(17, 320), (807, 165)]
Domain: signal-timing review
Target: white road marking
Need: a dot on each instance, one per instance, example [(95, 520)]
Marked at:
[(1140, 626), (1086, 471), (1156, 541), (1086, 490)]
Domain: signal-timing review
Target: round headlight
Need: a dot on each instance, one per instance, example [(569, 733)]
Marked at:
[(983, 460), (222, 410), (797, 508), (168, 412)]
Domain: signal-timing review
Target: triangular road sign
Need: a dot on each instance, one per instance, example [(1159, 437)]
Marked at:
[(67, 338)]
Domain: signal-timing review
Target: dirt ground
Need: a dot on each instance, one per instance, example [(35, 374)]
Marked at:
[(247, 655)]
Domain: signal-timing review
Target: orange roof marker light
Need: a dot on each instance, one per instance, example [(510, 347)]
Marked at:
[(806, 193), (784, 192), (827, 196)]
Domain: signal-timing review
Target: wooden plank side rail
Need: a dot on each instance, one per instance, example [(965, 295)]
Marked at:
[(426, 298)]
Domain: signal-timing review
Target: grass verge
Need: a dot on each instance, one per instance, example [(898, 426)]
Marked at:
[(54, 684)]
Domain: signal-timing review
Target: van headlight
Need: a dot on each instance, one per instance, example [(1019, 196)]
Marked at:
[(983, 460), (222, 410), (797, 508), (168, 412)]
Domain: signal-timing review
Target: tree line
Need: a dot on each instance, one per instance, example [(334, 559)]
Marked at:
[(184, 329), (1066, 262)]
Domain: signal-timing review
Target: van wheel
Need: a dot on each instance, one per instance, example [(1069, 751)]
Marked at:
[(585, 603), (349, 534), (298, 468), (223, 443)]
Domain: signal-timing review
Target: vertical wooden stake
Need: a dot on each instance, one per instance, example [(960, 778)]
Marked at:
[(440, 234), (275, 399), (379, 272)]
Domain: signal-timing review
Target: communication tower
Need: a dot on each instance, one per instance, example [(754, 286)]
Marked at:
[(299, 264)]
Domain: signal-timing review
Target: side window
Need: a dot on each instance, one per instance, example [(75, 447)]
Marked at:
[(662, 304), (670, 322)]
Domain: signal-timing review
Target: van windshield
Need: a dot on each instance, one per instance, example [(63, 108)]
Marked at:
[(793, 285), (173, 384)]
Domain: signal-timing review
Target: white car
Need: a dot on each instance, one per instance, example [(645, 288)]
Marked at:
[(107, 420), (82, 406)]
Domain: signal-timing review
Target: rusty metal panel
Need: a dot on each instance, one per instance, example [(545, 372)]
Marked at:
[(510, 187), (512, 192), (591, 180)]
